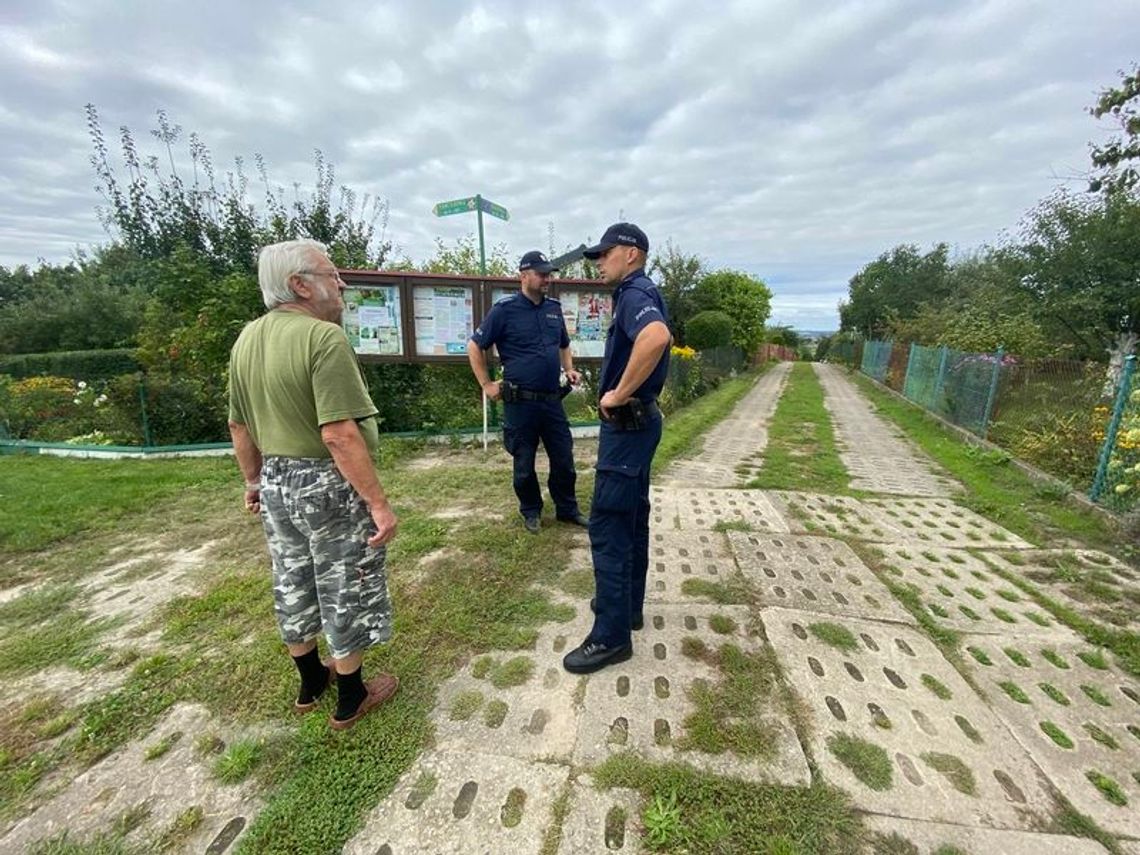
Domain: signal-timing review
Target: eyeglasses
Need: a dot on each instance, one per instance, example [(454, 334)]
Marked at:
[(334, 274)]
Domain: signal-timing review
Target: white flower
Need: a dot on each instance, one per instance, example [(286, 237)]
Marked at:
[(82, 384)]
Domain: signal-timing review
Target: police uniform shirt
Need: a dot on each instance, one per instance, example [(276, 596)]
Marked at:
[(637, 303), (529, 338)]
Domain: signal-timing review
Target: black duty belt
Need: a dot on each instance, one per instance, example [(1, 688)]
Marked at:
[(512, 394), (635, 415)]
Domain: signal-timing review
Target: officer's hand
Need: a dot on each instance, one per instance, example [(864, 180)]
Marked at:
[(574, 377), (386, 524), (493, 389), (611, 400)]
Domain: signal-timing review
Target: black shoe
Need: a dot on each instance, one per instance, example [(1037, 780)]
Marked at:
[(634, 624), (578, 519), (531, 524), (592, 656)]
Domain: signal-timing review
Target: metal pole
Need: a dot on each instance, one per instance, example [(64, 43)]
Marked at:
[(941, 378), (1113, 426), (484, 421), (482, 251), (147, 439), (906, 378), (993, 393)]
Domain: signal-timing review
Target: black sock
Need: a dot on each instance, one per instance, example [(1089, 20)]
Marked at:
[(314, 676), (350, 692)]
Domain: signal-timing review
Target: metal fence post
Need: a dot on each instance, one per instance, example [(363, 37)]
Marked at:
[(147, 439), (941, 379), (1113, 426), (993, 392), (906, 376)]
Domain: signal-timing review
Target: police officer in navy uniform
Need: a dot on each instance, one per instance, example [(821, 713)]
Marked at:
[(633, 372), (530, 333)]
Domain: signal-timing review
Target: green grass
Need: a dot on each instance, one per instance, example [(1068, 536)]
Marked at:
[(937, 687), (239, 760), (1054, 658), (1101, 736), (465, 705), (733, 593), (867, 761), (1014, 691), (953, 770), (1096, 695), (732, 525), (734, 817), (1094, 659), (513, 672), (163, 745), (835, 635), (1108, 787), (46, 499), (1057, 735), (722, 624), (685, 428), (994, 488), (1016, 657), (981, 656), (728, 715), (494, 713), (1053, 693), (512, 810), (801, 452)]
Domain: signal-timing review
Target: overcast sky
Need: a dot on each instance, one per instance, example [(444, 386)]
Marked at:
[(796, 141)]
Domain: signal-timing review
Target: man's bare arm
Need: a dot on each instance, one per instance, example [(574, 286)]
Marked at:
[(249, 461), (477, 357), (350, 453)]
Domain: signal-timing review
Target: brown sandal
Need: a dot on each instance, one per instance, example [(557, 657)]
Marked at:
[(380, 689)]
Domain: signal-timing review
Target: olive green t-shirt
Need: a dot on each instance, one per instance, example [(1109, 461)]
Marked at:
[(290, 373)]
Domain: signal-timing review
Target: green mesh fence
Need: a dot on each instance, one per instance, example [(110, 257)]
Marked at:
[(1117, 481), (957, 386), (876, 359)]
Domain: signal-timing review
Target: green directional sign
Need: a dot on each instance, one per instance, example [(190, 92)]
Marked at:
[(494, 210), (456, 206)]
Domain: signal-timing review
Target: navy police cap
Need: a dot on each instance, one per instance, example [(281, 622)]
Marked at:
[(536, 261), (619, 234)]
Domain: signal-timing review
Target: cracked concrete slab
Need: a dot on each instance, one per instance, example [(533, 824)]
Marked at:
[(462, 802), (704, 509), (642, 705), (168, 785), (1075, 719), (1093, 582), (897, 692), (941, 522), (675, 557), (838, 516), (814, 574), (932, 838), (961, 591), (600, 820)]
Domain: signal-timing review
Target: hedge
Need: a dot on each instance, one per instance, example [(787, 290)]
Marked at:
[(74, 364)]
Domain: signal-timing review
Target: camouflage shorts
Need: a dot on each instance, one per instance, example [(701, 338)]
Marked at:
[(325, 575)]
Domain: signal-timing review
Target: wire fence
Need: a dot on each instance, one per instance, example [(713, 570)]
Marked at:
[(1078, 421)]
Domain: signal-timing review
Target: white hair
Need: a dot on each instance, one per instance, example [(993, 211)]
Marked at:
[(279, 262)]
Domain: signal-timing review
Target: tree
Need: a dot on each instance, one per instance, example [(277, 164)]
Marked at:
[(461, 259), (1114, 163), (741, 296), (1081, 259), (677, 275), (893, 286), (783, 335), (709, 329)]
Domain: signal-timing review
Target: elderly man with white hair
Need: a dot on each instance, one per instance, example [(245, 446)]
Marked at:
[(304, 432)]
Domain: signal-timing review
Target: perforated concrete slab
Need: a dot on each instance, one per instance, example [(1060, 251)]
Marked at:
[(600, 820), (815, 574), (838, 516), (963, 592), (459, 802), (700, 509), (676, 556), (1094, 583), (941, 522), (898, 693), (875, 453), (1075, 719), (168, 785), (537, 719), (933, 838), (641, 705)]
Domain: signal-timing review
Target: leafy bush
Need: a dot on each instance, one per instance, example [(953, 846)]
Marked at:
[(88, 365), (709, 329)]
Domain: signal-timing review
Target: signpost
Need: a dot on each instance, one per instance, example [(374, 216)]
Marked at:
[(479, 205)]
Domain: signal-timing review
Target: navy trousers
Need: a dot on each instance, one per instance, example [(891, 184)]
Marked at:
[(619, 529), (525, 424)]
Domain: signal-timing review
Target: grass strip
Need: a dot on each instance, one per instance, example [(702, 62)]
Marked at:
[(801, 452)]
